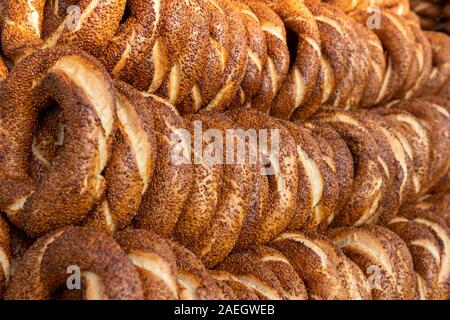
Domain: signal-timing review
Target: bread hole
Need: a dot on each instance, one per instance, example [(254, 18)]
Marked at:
[(292, 43)]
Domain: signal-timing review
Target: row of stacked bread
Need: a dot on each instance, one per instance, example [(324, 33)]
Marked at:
[(408, 260), (286, 58), (342, 168)]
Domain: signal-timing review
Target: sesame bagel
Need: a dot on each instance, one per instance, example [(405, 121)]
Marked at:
[(164, 200), (415, 140), (368, 185), (276, 153), (106, 271), (267, 272), (318, 185), (340, 159), (4, 256), (256, 55), (321, 266), (428, 239), (220, 233), (235, 66), (194, 281), (383, 257), (60, 74), (87, 25), (126, 53), (436, 118), (297, 89), (241, 291), (155, 262), (394, 162), (440, 73), (276, 66), (219, 45), (396, 39), (130, 170)]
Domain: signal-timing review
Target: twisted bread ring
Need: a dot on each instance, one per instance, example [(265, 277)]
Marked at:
[(415, 140), (428, 239), (368, 185), (25, 28), (277, 153), (440, 74), (325, 270), (276, 65), (297, 89), (240, 290), (267, 272), (164, 200), (4, 256), (179, 52), (424, 56), (396, 40), (126, 52), (106, 271), (257, 55), (436, 118), (349, 91), (132, 163), (226, 207), (130, 168), (235, 66), (194, 281), (220, 43), (383, 257), (85, 92), (155, 262), (394, 161), (318, 185), (341, 158)]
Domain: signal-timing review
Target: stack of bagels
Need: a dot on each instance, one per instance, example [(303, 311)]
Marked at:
[(354, 96)]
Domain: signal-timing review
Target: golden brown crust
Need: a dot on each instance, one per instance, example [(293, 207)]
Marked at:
[(368, 185), (415, 140), (265, 271), (398, 44), (440, 73), (155, 262), (298, 87), (130, 170), (164, 200), (60, 74), (240, 290), (106, 270), (342, 159), (194, 281), (25, 28), (276, 66), (428, 239), (281, 170), (220, 233), (321, 266), (234, 69), (383, 257), (5, 267)]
